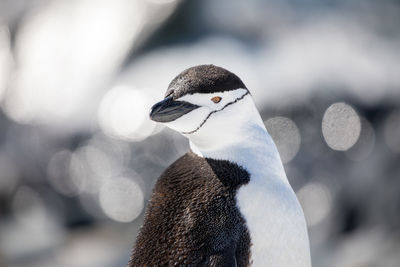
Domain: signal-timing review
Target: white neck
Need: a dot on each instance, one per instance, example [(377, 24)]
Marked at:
[(243, 139), (273, 215)]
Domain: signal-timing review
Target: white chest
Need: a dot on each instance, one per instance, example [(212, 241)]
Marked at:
[(272, 212), (276, 224)]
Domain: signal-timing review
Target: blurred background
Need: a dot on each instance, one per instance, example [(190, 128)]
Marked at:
[(79, 155)]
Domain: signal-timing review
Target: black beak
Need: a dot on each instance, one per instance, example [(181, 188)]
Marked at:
[(169, 110)]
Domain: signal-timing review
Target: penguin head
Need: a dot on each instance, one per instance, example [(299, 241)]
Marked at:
[(203, 100)]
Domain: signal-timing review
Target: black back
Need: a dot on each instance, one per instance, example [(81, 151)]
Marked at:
[(203, 79), (192, 218)]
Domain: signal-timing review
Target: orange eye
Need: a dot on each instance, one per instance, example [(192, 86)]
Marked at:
[(216, 99)]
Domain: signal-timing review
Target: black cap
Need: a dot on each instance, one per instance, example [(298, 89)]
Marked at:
[(203, 79)]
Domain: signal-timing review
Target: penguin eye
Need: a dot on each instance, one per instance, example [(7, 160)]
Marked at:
[(216, 99)]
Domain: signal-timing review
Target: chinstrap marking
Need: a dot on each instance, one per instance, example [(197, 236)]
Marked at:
[(215, 111)]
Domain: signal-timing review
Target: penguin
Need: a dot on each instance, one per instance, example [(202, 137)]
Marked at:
[(227, 201)]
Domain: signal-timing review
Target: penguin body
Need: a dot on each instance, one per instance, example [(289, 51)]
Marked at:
[(193, 218), (227, 202)]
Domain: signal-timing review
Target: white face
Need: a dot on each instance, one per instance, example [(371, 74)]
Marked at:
[(212, 106)]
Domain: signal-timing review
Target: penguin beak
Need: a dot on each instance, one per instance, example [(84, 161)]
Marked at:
[(169, 110)]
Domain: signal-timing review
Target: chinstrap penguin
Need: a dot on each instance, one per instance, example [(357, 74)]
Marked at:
[(226, 202)]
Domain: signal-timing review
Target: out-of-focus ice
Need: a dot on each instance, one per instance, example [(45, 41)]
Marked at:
[(341, 126), (316, 200), (124, 113), (121, 199), (67, 52), (286, 136)]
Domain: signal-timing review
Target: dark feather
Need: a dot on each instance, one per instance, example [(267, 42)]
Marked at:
[(192, 218)]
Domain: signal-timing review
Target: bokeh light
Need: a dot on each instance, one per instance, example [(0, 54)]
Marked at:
[(67, 40), (124, 113), (316, 200), (58, 173), (82, 176), (71, 68), (121, 199), (341, 126), (286, 136)]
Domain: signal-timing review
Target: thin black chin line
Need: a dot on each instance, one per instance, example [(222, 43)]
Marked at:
[(215, 111)]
